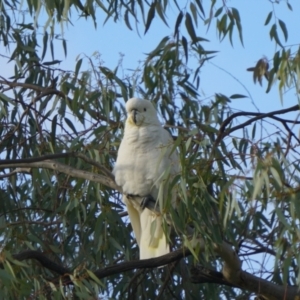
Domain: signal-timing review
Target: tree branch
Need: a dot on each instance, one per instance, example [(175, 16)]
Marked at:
[(4, 162), (110, 270), (232, 264), (244, 280), (13, 84), (257, 116), (199, 274), (233, 274), (55, 156), (17, 170), (248, 282), (94, 163), (143, 263), (43, 260), (56, 166)]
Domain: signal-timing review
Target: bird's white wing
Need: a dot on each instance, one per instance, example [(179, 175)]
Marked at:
[(153, 240), (143, 158), (134, 216)]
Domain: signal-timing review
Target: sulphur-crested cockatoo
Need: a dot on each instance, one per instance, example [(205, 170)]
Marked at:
[(146, 163)]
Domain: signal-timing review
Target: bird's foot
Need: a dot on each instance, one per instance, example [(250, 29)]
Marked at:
[(131, 196), (148, 202)]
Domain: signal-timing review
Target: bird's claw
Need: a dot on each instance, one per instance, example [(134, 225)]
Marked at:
[(148, 201)]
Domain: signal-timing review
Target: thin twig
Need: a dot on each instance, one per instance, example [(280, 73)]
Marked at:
[(257, 116)]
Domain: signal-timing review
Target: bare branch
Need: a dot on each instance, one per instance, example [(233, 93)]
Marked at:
[(232, 263), (17, 170), (199, 274), (45, 224), (56, 166), (13, 84), (248, 282), (5, 162), (268, 289), (143, 263), (94, 163), (257, 116), (233, 274), (110, 270), (43, 260)]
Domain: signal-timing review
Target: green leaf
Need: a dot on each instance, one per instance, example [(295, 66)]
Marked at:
[(289, 6), (276, 61), (71, 125), (185, 47), (114, 243), (122, 86), (178, 22), (193, 10), (5, 276), (77, 68), (160, 12), (64, 43), (284, 29), (95, 278), (127, 19), (222, 26), (190, 245), (53, 131), (281, 217), (253, 131), (237, 96), (45, 41), (150, 17), (49, 63), (159, 47), (200, 7), (268, 18), (234, 143), (218, 11), (52, 49), (287, 263), (273, 34), (5, 98), (270, 80), (190, 27), (237, 18)]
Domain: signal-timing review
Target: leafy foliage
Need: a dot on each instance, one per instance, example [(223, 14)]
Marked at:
[(62, 221)]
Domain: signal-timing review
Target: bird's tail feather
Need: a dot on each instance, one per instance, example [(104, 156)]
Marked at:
[(153, 241)]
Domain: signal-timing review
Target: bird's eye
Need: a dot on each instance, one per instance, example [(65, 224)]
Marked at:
[(145, 109)]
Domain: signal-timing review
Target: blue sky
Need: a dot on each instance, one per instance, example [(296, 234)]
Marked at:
[(225, 74), (114, 38)]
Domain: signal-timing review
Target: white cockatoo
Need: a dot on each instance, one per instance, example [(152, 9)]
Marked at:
[(146, 163)]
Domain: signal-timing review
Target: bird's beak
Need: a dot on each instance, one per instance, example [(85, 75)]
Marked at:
[(133, 115)]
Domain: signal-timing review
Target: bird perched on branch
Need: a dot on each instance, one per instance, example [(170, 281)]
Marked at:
[(146, 164)]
